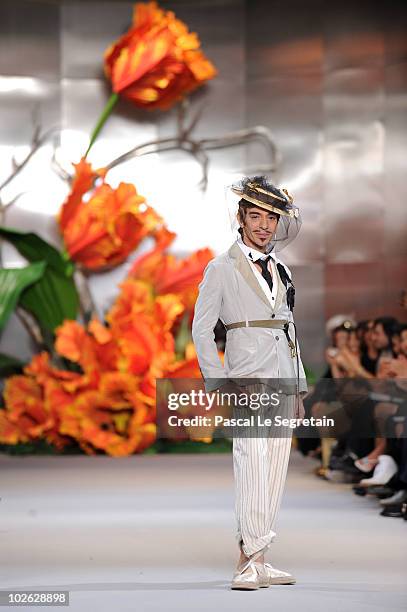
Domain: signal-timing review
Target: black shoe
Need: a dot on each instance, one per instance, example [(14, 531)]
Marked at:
[(398, 497), (359, 490), (393, 511), (347, 465), (352, 470), (343, 462), (382, 491)]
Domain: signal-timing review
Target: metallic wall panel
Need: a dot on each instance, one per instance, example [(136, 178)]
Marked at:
[(364, 302), (86, 31), (292, 113), (395, 145), (373, 288), (29, 39), (310, 313), (354, 137), (24, 101)]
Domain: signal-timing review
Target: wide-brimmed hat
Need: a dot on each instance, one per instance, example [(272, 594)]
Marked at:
[(259, 191)]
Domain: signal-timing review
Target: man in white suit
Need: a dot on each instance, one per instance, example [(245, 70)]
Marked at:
[(251, 291)]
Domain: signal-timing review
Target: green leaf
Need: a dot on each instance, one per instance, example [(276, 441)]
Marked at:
[(13, 281), (183, 337), (34, 248), (53, 298), (9, 365)]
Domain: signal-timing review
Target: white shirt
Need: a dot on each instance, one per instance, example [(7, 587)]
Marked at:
[(255, 255)]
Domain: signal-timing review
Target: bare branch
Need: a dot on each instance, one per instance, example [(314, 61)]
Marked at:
[(31, 326), (37, 142), (86, 304), (197, 148), (58, 169)]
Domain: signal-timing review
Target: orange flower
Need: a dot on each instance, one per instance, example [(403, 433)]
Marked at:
[(34, 403), (146, 266), (25, 407), (158, 61), (94, 349), (186, 368), (74, 343), (82, 182), (142, 327), (10, 433), (167, 274), (104, 230), (41, 369), (118, 432)]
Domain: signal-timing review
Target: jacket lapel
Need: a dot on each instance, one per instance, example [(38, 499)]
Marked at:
[(243, 266)]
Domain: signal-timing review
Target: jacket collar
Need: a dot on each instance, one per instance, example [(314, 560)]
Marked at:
[(242, 265), (250, 252)]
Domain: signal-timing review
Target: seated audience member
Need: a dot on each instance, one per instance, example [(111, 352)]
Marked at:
[(338, 330), (365, 439), (369, 352), (392, 471), (383, 330)]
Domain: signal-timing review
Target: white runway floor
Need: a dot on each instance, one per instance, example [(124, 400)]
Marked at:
[(157, 532)]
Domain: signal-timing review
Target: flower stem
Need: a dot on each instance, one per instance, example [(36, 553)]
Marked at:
[(102, 119)]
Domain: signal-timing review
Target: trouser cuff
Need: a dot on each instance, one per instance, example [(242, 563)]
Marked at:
[(256, 544)]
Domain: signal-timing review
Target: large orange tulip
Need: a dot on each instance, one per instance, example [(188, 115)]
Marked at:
[(103, 230), (158, 61), (155, 64), (142, 326), (25, 409), (119, 429), (167, 274)]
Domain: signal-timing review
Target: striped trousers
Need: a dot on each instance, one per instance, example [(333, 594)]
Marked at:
[(260, 468)]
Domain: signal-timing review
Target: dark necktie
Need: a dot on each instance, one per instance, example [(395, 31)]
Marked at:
[(265, 272)]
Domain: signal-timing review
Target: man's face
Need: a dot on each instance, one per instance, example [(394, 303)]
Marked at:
[(395, 343), (353, 342), (368, 334), (403, 342), (259, 227), (379, 337)]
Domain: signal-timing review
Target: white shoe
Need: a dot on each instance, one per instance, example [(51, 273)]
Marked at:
[(384, 471), (365, 465), (251, 574), (276, 576), (246, 577)]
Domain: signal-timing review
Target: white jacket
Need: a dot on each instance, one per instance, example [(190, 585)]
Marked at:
[(230, 291)]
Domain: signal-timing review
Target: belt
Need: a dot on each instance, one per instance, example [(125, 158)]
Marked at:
[(277, 323), (274, 323)]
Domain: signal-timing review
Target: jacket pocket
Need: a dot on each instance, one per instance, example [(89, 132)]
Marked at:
[(241, 350)]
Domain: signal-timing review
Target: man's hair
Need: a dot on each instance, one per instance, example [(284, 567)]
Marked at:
[(389, 325), (244, 205), (399, 328)]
